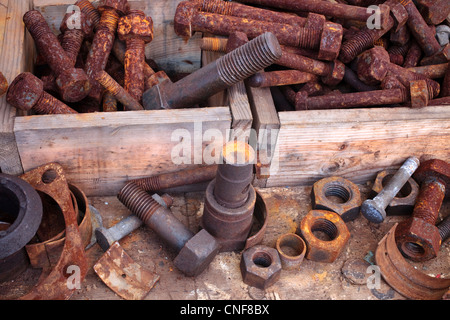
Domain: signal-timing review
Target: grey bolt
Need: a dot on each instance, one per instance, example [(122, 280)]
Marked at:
[(374, 209), (443, 34), (107, 236)]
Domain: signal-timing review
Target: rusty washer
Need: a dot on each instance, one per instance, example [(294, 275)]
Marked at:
[(335, 235), (291, 249), (260, 266), (338, 195)]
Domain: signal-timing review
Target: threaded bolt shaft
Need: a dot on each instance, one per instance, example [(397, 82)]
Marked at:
[(444, 228), (214, 44), (118, 91), (429, 200), (88, 9)]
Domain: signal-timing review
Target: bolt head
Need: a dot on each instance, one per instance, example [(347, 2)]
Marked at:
[(25, 91), (372, 211), (330, 41), (419, 93), (336, 75), (154, 98), (104, 238), (135, 25), (86, 24), (73, 85), (434, 168), (121, 6), (373, 65), (182, 19)]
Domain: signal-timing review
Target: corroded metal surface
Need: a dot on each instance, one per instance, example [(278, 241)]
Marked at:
[(402, 276), (260, 266), (291, 249), (279, 78), (123, 275), (3, 84), (335, 230)]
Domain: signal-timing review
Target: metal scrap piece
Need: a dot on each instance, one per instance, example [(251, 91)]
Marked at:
[(124, 276), (402, 276)]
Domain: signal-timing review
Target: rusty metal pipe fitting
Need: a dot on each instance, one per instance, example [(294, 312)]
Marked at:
[(418, 237), (177, 178), (195, 252), (260, 266), (374, 209), (26, 92), (136, 30), (107, 236), (291, 249), (226, 71), (73, 83)]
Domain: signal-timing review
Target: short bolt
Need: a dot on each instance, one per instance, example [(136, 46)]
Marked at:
[(136, 30), (118, 91), (26, 92), (73, 84), (195, 252), (107, 236), (374, 209), (418, 238), (226, 71), (103, 42)]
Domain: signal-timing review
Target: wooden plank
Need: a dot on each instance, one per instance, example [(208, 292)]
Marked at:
[(356, 143), (100, 151), (172, 53)]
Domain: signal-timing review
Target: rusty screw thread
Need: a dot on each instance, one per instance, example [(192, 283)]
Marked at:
[(134, 70), (109, 102), (48, 104), (363, 40), (159, 219), (100, 50), (71, 43), (176, 179), (88, 9), (444, 228), (214, 44), (429, 200), (118, 91)]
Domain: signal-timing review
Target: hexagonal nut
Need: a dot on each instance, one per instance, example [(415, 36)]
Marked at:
[(182, 19), (403, 203), (419, 93), (120, 6), (330, 41), (336, 75), (73, 85), (73, 21), (373, 65), (435, 168), (334, 235), (260, 266), (417, 239), (197, 254), (25, 91), (338, 195), (135, 25)]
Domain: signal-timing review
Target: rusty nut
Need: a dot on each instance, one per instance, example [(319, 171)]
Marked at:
[(403, 202), (338, 195), (135, 25), (260, 266), (197, 254), (325, 235), (291, 249), (417, 239)]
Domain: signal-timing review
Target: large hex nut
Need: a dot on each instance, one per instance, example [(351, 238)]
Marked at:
[(339, 195), (403, 202), (260, 266), (330, 244), (197, 254)]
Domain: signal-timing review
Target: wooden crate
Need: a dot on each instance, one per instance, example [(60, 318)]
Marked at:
[(351, 143), (101, 151)]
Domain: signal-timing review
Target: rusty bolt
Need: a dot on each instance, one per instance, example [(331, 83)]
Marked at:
[(444, 229), (280, 78), (413, 56), (434, 11), (73, 38), (422, 32), (417, 237), (89, 10), (441, 56), (260, 266), (72, 83), (338, 195), (397, 53), (188, 20), (136, 30), (325, 235), (434, 71), (118, 91), (195, 252), (109, 102), (331, 72), (374, 209), (177, 178), (103, 41), (226, 71), (27, 92)]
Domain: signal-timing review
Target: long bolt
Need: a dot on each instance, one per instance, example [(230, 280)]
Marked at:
[(26, 92), (107, 236), (159, 219), (176, 179), (118, 91), (279, 78), (72, 83), (189, 20), (374, 209), (226, 71)]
